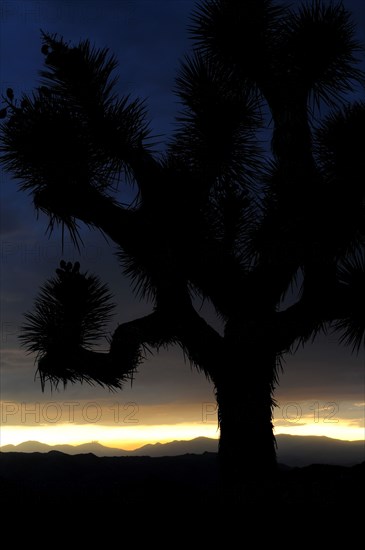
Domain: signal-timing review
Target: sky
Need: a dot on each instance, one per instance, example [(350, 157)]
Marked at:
[(322, 388)]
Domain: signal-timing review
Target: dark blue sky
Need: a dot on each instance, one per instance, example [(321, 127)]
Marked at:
[(148, 37)]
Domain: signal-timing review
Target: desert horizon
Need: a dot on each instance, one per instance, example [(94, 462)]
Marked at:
[(133, 436), (292, 451), (174, 483), (120, 446)]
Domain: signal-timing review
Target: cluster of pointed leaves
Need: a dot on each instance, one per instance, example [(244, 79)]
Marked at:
[(352, 276), (71, 312), (216, 137), (311, 49), (73, 121)]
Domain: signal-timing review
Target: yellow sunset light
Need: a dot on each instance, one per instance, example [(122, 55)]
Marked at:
[(122, 437)]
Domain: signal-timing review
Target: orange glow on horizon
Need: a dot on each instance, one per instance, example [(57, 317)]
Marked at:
[(127, 438), (130, 438)]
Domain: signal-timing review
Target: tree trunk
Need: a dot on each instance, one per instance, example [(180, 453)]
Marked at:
[(247, 448)]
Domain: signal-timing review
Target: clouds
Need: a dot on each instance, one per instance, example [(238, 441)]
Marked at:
[(323, 370)]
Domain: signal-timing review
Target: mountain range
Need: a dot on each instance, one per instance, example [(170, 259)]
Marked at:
[(294, 451)]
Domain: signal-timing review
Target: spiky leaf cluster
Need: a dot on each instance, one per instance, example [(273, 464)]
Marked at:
[(352, 277), (71, 311), (73, 131)]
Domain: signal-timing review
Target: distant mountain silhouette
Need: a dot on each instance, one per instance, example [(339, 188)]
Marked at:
[(93, 447), (305, 450), (198, 445), (292, 450)]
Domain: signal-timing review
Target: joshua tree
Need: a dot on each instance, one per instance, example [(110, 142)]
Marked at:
[(216, 215)]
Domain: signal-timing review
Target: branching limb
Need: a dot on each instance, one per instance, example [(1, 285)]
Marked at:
[(92, 208), (343, 307), (111, 369)]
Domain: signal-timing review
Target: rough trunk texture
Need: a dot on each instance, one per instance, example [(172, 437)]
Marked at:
[(247, 448)]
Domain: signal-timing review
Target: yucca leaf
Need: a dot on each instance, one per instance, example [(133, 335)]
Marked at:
[(318, 50), (351, 274), (71, 312)]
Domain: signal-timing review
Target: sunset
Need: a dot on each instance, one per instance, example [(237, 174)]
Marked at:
[(182, 249), (126, 425), (131, 438), (123, 438)]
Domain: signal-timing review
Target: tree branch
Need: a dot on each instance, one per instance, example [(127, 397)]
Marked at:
[(147, 172), (110, 369), (129, 343), (305, 317), (91, 207)]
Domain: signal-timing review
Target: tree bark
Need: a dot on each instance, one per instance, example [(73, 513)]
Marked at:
[(247, 448)]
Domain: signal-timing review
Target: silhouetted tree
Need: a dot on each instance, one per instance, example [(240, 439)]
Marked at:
[(217, 215)]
